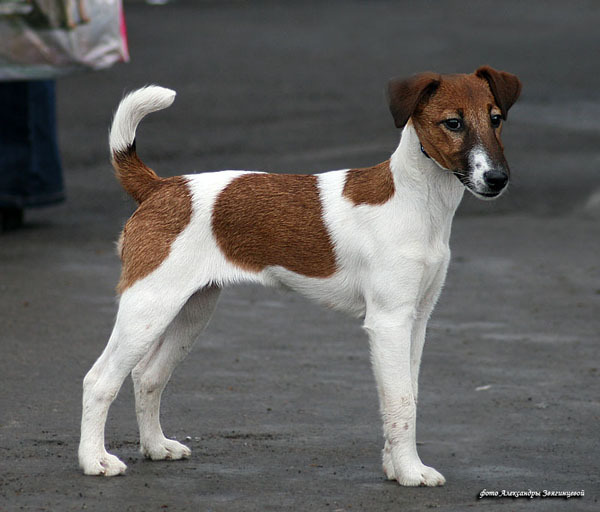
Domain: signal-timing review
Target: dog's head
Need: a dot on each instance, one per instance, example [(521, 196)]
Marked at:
[(458, 119)]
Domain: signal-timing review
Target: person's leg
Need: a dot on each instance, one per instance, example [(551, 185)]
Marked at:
[(30, 170), (15, 154), (44, 180)]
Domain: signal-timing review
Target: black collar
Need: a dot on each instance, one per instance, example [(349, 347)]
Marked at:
[(423, 151)]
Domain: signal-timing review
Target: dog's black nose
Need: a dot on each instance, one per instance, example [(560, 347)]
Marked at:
[(495, 179)]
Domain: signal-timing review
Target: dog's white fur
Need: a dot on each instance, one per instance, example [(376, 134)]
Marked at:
[(392, 263)]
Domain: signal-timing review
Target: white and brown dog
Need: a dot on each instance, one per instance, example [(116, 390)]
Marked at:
[(372, 242)]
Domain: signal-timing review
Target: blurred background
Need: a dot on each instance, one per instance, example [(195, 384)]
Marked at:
[(278, 401), (299, 86)]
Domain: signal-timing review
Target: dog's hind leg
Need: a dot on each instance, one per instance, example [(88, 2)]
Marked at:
[(152, 373), (142, 319)]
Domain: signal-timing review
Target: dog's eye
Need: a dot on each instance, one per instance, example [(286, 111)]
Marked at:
[(496, 119), (454, 125)]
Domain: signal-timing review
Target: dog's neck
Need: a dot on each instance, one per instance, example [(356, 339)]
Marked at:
[(415, 170)]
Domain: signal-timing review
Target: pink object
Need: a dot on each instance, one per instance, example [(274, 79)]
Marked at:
[(123, 29)]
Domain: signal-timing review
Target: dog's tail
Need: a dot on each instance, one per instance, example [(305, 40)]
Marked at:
[(136, 178)]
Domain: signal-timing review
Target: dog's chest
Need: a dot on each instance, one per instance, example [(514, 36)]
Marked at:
[(374, 246)]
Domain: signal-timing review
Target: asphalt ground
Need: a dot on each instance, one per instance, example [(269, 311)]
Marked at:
[(277, 401)]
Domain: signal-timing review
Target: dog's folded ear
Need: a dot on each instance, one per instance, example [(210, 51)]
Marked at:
[(404, 95), (505, 87)]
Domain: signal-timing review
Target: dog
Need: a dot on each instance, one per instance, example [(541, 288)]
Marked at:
[(372, 242)]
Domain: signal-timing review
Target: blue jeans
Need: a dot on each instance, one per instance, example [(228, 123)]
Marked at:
[(30, 169)]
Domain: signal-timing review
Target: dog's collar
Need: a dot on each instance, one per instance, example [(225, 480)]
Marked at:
[(461, 178)]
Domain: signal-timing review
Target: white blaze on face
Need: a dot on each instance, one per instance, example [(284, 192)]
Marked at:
[(479, 163)]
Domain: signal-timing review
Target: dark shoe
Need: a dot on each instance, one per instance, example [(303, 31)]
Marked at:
[(10, 218)]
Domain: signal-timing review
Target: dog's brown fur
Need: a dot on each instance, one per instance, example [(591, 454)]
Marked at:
[(473, 98), (261, 220), (147, 237), (372, 185), (138, 180)]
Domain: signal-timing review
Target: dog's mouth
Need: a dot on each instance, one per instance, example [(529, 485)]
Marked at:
[(480, 188)]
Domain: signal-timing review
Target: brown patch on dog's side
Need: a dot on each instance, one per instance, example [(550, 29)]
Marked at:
[(262, 220), (147, 237), (372, 185)]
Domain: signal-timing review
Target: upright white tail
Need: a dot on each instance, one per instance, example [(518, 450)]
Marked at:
[(132, 109), (136, 178)]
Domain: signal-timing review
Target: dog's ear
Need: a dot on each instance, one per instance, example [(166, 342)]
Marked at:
[(505, 87), (404, 95)]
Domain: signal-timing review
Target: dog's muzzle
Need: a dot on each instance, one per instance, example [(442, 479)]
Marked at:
[(487, 185)]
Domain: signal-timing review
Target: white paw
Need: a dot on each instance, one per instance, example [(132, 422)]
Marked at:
[(105, 465), (414, 475), (388, 464), (409, 471), (166, 449)]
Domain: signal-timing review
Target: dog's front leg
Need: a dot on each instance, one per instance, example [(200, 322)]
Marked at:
[(390, 331), (425, 308)]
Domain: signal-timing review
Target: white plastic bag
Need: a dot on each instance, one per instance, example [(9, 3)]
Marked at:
[(49, 38)]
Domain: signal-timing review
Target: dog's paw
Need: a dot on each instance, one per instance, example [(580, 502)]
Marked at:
[(103, 465), (411, 472), (387, 462), (415, 475), (166, 449)]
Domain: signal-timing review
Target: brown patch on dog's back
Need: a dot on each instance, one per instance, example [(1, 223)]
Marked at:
[(372, 185), (262, 220), (147, 237)]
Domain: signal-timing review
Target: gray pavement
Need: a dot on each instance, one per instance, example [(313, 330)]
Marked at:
[(277, 399)]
